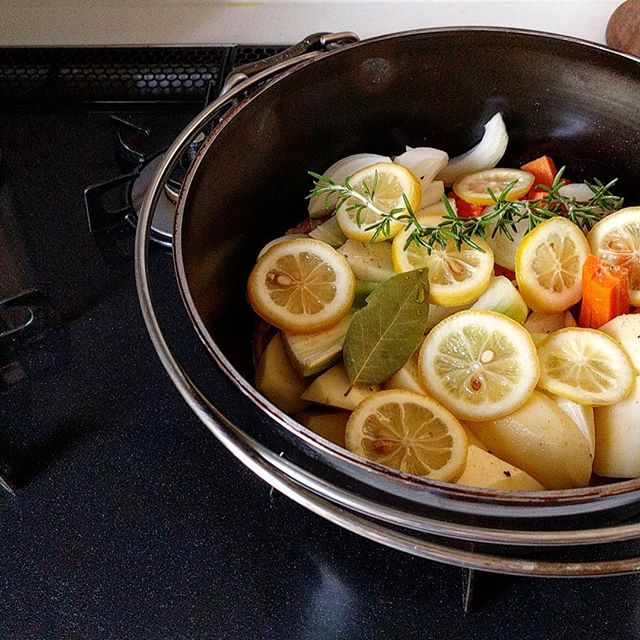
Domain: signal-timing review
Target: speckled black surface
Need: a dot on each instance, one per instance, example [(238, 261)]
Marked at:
[(131, 522)]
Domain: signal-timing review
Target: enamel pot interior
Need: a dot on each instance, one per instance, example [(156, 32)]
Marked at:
[(576, 102)]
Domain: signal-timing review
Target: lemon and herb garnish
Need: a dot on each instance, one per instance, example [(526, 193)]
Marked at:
[(503, 216), (431, 327)]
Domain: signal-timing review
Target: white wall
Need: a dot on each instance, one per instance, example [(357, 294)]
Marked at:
[(42, 22)]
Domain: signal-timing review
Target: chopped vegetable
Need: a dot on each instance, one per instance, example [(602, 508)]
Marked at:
[(605, 292), (543, 169), (466, 209)]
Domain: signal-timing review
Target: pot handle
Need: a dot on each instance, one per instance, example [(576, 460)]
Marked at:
[(323, 41)]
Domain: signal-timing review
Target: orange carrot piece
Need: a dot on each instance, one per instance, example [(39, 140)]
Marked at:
[(466, 209), (502, 271), (543, 170), (537, 194), (605, 292)]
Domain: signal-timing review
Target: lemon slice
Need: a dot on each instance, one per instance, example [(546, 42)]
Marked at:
[(474, 187), (409, 432), (455, 277), (301, 285), (389, 182), (616, 239), (585, 366), (549, 265), (479, 364)]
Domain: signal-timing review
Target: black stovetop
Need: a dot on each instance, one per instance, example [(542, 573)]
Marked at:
[(128, 520)]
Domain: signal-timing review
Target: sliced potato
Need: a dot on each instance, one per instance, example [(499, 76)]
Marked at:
[(407, 377), (542, 441), (618, 437), (328, 424), (483, 469), (626, 330), (582, 416), (333, 388), (548, 322), (278, 380)]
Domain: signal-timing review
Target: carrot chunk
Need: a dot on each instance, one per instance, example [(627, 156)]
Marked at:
[(502, 271), (605, 292), (543, 170), (465, 209)]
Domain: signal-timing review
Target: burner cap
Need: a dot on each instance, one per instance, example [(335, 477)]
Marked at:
[(163, 217)]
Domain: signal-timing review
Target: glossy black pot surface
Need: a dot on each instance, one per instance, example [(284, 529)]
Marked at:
[(577, 102)]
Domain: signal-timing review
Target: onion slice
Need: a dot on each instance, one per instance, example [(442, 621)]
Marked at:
[(425, 163), (485, 155), (578, 190), (338, 172)]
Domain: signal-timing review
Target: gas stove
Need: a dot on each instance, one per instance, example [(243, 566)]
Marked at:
[(120, 516)]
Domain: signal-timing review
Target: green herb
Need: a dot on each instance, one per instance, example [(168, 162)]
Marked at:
[(353, 200), (383, 335), (502, 217)]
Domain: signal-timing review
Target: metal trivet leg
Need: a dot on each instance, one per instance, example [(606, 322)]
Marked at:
[(479, 587)]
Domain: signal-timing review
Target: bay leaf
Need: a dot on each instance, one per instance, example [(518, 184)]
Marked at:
[(383, 335)]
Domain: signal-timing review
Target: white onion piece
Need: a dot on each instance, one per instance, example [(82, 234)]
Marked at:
[(432, 194), (338, 171), (425, 163), (579, 190), (485, 155)]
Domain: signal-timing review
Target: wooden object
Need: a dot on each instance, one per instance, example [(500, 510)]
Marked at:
[(623, 29)]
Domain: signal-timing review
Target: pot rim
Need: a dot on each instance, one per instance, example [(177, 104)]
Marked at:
[(462, 493)]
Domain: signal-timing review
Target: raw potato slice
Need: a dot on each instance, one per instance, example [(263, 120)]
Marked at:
[(455, 277), (301, 286), (328, 424), (277, 380), (478, 187), (586, 366), (391, 183), (626, 330), (616, 239), (489, 472), (547, 323), (409, 432), (407, 377), (542, 441), (549, 263), (618, 437), (582, 416), (331, 388), (338, 172), (479, 364)]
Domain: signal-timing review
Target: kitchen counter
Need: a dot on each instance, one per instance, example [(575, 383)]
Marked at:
[(34, 22)]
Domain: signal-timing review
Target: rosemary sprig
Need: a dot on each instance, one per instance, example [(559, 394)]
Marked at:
[(502, 217)]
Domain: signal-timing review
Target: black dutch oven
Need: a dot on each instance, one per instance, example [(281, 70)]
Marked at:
[(575, 101)]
